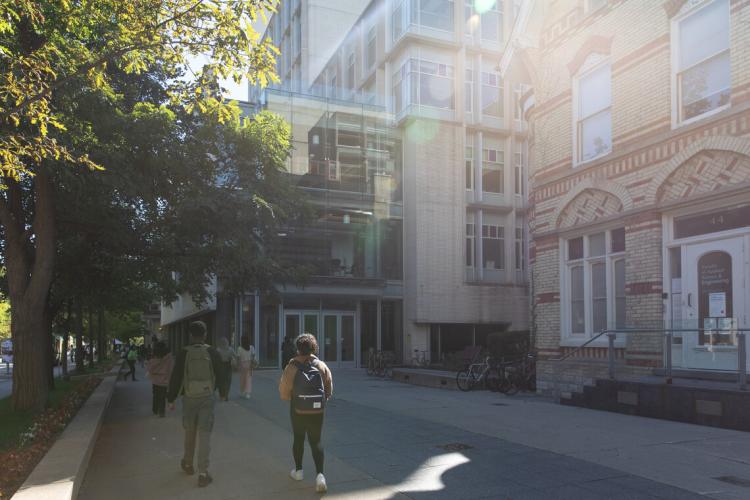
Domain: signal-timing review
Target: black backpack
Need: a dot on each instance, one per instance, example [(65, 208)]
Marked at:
[(308, 392)]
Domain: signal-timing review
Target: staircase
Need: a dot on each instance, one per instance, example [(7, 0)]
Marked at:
[(717, 403)]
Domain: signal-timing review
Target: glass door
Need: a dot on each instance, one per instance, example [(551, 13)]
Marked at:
[(346, 339), (292, 325), (329, 351)]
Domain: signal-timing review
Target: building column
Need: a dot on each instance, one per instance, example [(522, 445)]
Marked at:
[(478, 244)]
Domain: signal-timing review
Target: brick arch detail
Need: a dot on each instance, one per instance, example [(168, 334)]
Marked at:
[(738, 145), (603, 197), (594, 44)]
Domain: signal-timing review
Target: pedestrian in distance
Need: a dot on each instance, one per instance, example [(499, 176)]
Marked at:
[(287, 350), (248, 363), (159, 369), (228, 360), (131, 358), (196, 370), (307, 384)]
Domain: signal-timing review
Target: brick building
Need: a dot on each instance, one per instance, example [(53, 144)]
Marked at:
[(640, 181)]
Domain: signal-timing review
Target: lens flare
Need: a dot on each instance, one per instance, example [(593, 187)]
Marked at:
[(482, 6)]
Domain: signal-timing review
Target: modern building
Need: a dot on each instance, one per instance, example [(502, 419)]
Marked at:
[(413, 150), (640, 175)]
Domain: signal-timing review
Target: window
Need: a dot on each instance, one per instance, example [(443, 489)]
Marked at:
[(493, 247), (469, 162), (492, 171), (518, 165), (593, 5), (703, 73), (492, 94), (492, 22), (469, 91), (594, 114), (436, 14), (595, 275), (469, 242), (520, 250), (399, 10), (350, 72), (370, 54), (423, 82)]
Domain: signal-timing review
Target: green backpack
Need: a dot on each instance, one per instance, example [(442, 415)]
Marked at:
[(198, 380)]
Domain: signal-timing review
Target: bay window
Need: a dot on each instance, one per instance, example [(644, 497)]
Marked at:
[(703, 73), (493, 246), (469, 242), (594, 288), (493, 175), (469, 161), (492, 94), (423, 82)]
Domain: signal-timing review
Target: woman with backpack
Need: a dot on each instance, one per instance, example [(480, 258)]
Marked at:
[(307, 383), (247, 362)]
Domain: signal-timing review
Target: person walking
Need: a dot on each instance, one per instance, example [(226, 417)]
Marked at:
[(159, 369), (287, 350), (247, 362), (307, 383), (131, 358), (196, 370), (228, 359)]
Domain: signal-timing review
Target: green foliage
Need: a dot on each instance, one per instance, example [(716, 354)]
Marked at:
[(125, 325), (4, 320), (49, 46)]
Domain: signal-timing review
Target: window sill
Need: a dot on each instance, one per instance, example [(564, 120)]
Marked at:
[(678, 124), (591, 160)]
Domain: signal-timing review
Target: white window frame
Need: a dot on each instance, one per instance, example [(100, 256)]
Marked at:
[(469, 158), (577, 150), (470, 234), (371, 35), (498, 230), (609, 258), (674, 69), (498, 164)]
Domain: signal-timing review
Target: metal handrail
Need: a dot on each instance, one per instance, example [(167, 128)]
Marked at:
[(668, 332)]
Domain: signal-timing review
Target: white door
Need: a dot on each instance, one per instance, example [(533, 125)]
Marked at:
[(714, 296)]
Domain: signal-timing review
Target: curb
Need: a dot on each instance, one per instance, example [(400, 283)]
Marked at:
[(60, 473)]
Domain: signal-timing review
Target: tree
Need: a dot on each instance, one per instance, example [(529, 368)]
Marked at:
[(51, 50)]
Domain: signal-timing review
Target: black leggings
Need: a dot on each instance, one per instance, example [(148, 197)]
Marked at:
[(312, 425)]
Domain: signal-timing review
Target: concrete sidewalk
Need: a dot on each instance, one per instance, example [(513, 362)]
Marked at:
[(389, 440), (682, 455)]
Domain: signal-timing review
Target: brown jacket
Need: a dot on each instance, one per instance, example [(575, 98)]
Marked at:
[(287, 378)]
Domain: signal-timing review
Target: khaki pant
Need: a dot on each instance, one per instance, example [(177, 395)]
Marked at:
[(198, 421)]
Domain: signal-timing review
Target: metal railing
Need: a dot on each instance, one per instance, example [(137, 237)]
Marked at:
[(668, 333)]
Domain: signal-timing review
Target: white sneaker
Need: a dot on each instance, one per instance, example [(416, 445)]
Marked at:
[(297, 475), (320, 484)]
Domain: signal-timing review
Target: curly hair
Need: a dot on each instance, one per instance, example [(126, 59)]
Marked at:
[(306, 344)]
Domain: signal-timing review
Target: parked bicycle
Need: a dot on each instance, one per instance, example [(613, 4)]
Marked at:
[(420, 359), (380, 363), (477, 373), (522, 375)]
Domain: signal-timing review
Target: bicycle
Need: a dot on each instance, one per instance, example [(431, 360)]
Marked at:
[(523, 375), (380, 363), (420, 358), (475, 373)]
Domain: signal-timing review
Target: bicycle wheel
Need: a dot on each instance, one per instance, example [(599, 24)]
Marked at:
[(513, 385), (370, 367), (492, 380), (503, 383), (464, 380)]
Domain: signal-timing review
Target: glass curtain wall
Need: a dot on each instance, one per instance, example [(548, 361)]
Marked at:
[(346, 158)]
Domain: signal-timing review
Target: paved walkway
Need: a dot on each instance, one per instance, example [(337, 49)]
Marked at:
[(389, 440)]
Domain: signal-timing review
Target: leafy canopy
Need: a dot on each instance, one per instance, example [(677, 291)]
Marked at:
[(48, 45)]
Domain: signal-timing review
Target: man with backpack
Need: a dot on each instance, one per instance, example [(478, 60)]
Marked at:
[(132, 357), (307, 383), (194, 376)]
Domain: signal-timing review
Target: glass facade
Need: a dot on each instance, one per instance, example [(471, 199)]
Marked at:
[(347, 159)]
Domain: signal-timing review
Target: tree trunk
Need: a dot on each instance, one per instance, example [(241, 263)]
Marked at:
[(80, 355), (50, 348), (91, 338), (101, 344), (66, 341), (29, 270)]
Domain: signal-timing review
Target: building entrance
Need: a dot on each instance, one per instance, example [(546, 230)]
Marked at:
[(714, 298), (335, 331)]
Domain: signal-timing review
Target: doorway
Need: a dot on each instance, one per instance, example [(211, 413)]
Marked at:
[(334, 330), (714, 298)]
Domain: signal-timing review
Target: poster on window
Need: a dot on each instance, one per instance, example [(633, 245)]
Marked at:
[(717, 305), (714, 290)]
